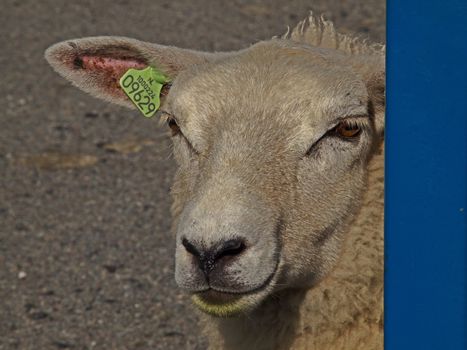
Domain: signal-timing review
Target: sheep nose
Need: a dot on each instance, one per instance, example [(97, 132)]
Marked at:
[(209, 258)]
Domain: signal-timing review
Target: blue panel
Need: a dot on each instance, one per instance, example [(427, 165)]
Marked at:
[(426, 165)]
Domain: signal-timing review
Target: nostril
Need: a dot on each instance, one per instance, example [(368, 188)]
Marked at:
[(208, 258), (191, 248), (231, 247)]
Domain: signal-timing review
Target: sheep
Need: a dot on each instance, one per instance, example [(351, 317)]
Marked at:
[(278, 197)]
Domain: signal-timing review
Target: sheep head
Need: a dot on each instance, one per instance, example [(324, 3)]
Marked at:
[(272, 144)]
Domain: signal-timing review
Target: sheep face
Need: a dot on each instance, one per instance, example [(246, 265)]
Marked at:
[(272, 144)]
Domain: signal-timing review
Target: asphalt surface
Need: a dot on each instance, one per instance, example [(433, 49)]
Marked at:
[(86, 256)]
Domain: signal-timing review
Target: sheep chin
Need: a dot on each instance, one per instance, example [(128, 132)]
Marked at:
[(241, 305)]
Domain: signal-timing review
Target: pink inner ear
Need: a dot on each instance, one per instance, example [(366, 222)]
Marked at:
[(110, 69), (97, 62)]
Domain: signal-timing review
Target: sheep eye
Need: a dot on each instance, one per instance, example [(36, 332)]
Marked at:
[(347, 130), (172, 123)]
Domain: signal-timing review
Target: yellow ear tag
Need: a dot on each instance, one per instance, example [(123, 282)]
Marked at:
[(143, 87)]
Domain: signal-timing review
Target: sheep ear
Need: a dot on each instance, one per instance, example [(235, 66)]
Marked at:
[(376, 85), (372, 69), (96, 64)]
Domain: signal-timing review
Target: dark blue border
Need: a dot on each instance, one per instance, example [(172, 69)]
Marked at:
[(426, 162)]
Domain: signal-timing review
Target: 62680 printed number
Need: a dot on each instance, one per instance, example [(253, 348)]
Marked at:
[(140, 93)]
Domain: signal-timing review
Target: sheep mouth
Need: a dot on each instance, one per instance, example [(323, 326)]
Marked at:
[(215, 297), (230, 304), (224, 304)]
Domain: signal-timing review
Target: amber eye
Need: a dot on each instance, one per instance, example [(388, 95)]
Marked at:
[(348, 130), (171, 122)]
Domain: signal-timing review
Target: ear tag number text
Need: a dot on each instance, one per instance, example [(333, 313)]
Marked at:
[(143, 87)]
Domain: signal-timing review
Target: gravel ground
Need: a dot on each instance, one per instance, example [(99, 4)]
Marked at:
[(86, 257)]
